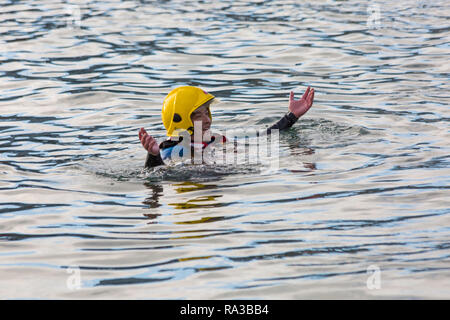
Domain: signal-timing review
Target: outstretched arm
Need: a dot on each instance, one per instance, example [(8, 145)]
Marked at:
[(297, 108)]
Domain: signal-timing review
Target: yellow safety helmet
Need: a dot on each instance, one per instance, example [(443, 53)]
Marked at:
[(178, 107)]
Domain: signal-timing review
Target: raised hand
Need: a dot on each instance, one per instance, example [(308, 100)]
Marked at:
[(300, 107), (148, 142)]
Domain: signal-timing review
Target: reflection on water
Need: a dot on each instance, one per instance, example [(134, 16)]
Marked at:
[(187, 186), (362, 182)]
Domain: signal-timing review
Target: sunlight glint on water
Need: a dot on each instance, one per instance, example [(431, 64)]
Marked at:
[(363, 177)]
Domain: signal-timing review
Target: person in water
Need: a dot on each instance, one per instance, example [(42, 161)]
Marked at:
[(186, 116)]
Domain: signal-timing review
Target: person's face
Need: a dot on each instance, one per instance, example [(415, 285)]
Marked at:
[(201, 114)]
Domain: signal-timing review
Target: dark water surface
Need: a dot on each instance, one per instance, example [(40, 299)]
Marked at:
[(363, 178)]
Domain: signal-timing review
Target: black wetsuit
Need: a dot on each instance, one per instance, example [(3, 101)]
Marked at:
[(285, 122)]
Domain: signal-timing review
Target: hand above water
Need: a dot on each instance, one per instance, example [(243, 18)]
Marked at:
[(300, 107), (148, 142)]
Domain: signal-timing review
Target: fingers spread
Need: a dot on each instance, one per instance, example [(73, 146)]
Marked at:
[(146, 139), (306, 93), (144, 142), (151, 144), (142, 132), (311, 98), (143, 136)]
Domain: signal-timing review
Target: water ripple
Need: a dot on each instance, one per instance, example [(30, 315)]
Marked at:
[(362, 181)]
